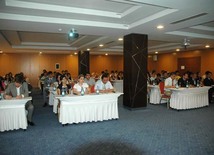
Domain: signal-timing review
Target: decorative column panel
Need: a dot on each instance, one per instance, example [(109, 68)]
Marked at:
[(83, 62), (135, 69)]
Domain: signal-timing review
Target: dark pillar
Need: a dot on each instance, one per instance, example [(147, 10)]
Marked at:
[(135, 69), (83, 62)]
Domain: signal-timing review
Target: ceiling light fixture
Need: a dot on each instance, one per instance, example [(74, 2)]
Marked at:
[(75, 53), (120, 39), (156, 52), (88, 49), (101, 45), (1, 51), (160, 27), (207, 46), (106, 54), (177, 49)]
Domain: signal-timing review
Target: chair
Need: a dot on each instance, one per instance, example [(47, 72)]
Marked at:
[(164, 95), (92, 89)]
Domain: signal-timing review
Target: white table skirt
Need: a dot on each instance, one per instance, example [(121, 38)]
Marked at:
[(155, 94), (13, 114), (88, 108), (188, 98), (51, 97), (118, 85)]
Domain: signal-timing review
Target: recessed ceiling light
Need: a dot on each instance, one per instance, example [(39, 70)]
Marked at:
[(101, 45), (207, 46), (177, 49), (106, 54), (40, 52), (88, 49), (59, 29), (120, 39), (1, 51), (156, 52), (75, 53), (160, 27)]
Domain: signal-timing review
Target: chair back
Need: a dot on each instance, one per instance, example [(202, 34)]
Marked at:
[(92, 89), (161, 86)]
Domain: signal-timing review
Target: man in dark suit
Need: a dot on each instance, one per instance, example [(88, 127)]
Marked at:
[(19, 89), (182, 82), (208, 81)]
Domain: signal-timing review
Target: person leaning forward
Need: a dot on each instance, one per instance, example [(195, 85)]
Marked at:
[(19, 89)]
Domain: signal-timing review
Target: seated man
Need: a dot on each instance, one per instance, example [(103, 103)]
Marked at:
[(170, 82), (19, 89), (104, 85), (208, 81), (89, 80), (48, 82), (183, 82)]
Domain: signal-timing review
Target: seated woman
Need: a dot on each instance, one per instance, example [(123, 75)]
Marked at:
[(81, 86), (63, 86)]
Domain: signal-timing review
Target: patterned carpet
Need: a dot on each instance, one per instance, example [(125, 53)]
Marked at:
[(150, 131)]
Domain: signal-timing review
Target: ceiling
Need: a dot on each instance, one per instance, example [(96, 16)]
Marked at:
[(29, 26)]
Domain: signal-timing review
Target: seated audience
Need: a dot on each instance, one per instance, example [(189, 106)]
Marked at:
[(208, 81), (19, 89), (170, 82), (89, 80), (183, 82), (81, 86), (104, 85), (63, 86), (48, 82)]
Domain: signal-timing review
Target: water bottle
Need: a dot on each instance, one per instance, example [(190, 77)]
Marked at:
[(187, 85), (97, 90), (63, 92), (198, 84), (82, 91), (176, 86)]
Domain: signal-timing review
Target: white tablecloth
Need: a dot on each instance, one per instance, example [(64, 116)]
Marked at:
[(118, 85), (51, 97), (12, 114), (155, 94), (188, 98), (88, 108)]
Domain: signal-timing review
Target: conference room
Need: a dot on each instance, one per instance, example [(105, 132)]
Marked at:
[(139, 44)]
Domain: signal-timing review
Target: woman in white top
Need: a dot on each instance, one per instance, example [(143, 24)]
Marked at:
[(81, 86)]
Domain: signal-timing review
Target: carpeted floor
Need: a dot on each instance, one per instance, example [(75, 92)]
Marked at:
[(154, 130)]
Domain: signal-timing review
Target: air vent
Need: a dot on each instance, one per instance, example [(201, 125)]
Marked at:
[(189, 18)]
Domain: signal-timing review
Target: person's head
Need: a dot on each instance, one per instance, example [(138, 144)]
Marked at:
[(105, 78), (194, 76), (81, 78), (172, 75), (18, 80), (177, 73), (185, 76), (63, 79), (208, 74), (50, 74), (87, 76)]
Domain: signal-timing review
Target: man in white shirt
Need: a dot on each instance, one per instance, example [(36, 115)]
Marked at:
[(104, 85), (170, 82)]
